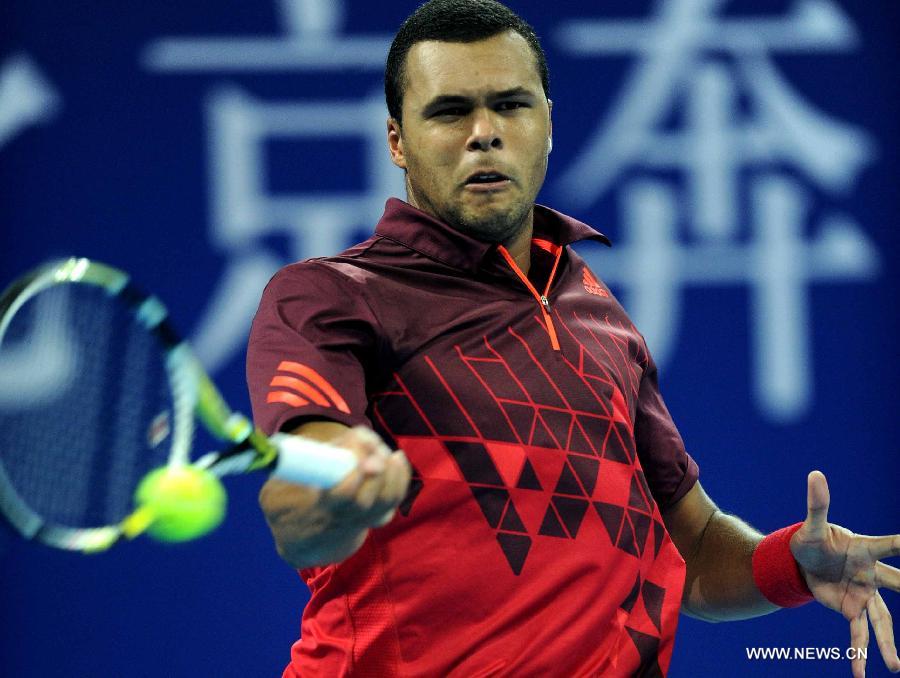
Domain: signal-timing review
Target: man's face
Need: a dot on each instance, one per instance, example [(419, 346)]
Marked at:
[(475, 133)]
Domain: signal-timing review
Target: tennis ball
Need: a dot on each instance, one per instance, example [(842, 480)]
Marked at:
[(184, 502)]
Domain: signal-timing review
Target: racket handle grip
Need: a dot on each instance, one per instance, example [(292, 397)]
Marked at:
[(309, 462)]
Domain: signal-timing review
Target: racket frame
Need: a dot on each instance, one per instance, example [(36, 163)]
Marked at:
[(194, 397)]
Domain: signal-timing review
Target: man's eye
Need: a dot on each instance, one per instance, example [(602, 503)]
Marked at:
[(452, 112), (511, 105)]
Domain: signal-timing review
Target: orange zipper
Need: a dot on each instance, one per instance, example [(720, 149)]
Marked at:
[(541, 298)]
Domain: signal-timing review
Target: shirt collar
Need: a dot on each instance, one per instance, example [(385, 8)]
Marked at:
[(436, 240)]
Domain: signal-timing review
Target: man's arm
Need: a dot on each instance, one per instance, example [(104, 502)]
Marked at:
[(315, 527), (718, 550)]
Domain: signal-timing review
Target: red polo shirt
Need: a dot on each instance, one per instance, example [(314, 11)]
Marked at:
[(531, 541)]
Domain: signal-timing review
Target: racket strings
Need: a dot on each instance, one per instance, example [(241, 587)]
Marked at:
[(85, 407)]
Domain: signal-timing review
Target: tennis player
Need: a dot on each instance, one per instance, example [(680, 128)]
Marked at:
[(545, 519)]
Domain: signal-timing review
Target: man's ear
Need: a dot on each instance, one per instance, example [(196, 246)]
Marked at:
[(550, 121), (395, 143)]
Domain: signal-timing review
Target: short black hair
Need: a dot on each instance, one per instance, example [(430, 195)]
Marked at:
[(454, 21)]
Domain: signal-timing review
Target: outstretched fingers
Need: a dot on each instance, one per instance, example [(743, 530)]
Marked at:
[(883, 626), (859, 639), (817, 500), (887, 577), (883, 547)]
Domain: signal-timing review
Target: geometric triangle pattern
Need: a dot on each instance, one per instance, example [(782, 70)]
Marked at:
[(551, 525), (511, 520), (528, 480), (586, 469), (631, 598), (612, 517), (571, 512), (653, 600), (515, 547), (568, 483), (643, 605), (648, 649), (481, 420)]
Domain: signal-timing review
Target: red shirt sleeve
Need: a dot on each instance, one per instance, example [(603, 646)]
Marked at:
[(311, 338), (669, 469)]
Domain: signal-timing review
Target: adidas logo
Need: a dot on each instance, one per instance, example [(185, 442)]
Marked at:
[(300, 385), (592, 285)]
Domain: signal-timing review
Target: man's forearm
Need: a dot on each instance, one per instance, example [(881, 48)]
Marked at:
[(719, 585)]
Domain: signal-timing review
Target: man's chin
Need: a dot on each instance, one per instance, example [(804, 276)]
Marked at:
[(497, 224)]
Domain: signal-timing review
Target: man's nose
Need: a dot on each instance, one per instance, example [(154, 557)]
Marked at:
[(485, 133)]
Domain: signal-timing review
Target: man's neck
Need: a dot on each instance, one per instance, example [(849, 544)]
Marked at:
[(519, 246)]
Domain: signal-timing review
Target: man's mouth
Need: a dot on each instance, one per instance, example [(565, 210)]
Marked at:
[(486, 180)]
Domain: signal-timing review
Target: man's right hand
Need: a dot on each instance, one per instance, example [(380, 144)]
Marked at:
[(317, 527)]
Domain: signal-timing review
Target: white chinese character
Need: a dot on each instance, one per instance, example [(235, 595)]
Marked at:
[(689, 232), (244, 208)]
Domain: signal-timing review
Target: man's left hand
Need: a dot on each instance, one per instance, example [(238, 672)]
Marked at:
[(843, 572)]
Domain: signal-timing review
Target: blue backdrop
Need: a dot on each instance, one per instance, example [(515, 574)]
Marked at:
[(742, 155)]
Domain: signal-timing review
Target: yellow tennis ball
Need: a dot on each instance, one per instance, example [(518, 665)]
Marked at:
[(184, 502)]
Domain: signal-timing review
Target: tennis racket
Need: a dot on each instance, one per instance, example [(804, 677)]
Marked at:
[(96, 390)]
